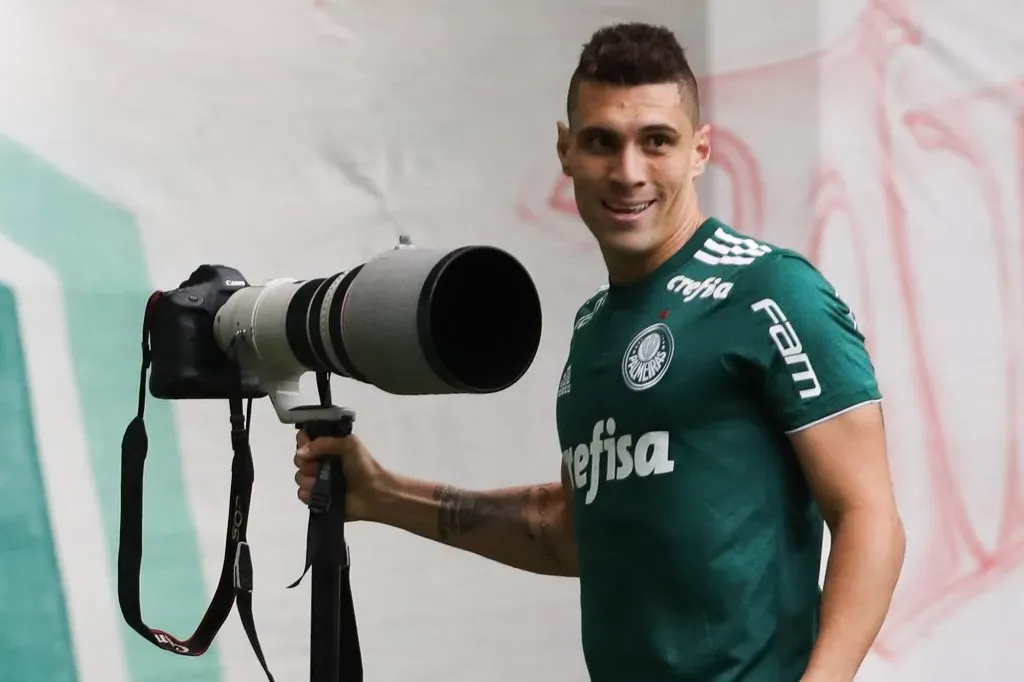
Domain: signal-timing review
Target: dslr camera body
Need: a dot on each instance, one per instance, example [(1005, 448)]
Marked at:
[(188, 363)]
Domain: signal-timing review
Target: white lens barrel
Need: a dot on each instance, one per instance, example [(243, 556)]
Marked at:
[(410, 321)]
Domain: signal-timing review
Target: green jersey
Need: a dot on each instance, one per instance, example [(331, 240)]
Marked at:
[(699, 542)]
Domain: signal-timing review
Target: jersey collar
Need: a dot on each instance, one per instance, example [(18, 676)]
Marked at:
[(627, 293)]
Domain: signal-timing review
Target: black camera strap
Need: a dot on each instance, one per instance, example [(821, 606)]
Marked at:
[(335, 654), (236, 581)]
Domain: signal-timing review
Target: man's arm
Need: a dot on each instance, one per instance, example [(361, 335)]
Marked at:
[(818, 382), (526, 527), (846, 465)]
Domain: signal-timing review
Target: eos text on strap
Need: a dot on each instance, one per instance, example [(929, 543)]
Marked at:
[(236, 579)]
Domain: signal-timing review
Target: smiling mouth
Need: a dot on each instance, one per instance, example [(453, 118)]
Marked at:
[(628, 209)]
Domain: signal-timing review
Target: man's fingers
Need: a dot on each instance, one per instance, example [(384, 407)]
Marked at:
[(308, 468), (307, 460), (308, 457), (304, 480), (316, 449)]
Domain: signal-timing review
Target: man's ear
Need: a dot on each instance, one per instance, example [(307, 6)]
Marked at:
[(563, 145), (701, 155)]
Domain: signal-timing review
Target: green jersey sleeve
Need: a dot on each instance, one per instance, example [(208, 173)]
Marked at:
[(810, 358)]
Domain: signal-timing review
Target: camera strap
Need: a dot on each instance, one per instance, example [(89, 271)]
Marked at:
[(236, 581), (335, 648)]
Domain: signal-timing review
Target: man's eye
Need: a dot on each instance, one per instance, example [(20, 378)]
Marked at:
[(658, 140)]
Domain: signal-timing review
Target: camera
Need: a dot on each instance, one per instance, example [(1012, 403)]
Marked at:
[(187, 362), (409, 321)]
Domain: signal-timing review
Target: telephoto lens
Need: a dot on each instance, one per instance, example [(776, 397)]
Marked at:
[(410, 321)]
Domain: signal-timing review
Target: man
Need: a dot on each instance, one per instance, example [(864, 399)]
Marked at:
[(717, 404)]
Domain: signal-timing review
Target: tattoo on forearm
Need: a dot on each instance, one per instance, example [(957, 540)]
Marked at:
[(462, 511), (544, 530)]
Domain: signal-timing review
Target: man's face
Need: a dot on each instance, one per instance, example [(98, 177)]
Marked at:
[(632, 154)]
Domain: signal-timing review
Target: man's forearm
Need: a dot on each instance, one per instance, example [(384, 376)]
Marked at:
[(523, 527), (864, 564)]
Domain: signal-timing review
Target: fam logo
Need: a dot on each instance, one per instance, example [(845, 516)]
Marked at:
[(791, 348), (648, 356)]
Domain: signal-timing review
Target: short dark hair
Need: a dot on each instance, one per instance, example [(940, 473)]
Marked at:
[(635, 54)]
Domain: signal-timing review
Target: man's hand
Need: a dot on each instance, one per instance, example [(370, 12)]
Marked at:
[(365, 478), (527, 527), (846, 465)]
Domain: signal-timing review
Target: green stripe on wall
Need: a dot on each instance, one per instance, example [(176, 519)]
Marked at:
[(95, 249), (34, 640)]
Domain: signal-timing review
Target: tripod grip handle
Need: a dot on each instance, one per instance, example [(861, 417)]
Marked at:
[(327, 429), (330, 485)]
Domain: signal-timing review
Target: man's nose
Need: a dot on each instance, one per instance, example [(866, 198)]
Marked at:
[(629, 168)]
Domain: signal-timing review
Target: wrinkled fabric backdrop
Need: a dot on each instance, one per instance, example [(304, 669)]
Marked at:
[(298, 138)]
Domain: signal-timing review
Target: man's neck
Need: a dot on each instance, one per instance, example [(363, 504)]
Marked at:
[(627, 271)]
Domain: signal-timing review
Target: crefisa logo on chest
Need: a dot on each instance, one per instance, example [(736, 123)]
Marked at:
[(648, 356)]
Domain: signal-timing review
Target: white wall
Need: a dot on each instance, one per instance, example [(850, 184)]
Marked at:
[(288, 137)]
